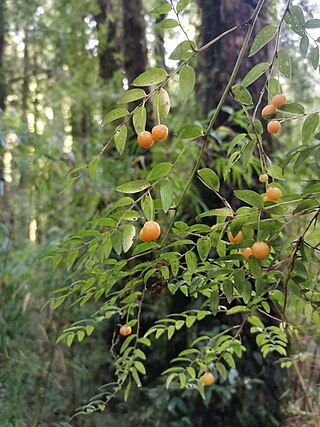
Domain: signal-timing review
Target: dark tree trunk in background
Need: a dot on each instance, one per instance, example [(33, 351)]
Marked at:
[(158, 46), (216, 64), (109, 54), (2, 44), (134, 39)]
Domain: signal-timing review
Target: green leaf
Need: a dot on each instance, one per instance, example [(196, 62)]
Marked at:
[(235, 141), (72, 256), (184, 50), (293, 108), (182, 4), (167, 23), (187, 79), (115, 114), (247, 153), (209, 178), (92, 169), (140, 367), (239, 279), (147, 206), (145, 247), (236, 309), (309, 126), (214, 302), (273, 87), (203, 248), (314, 57), (256, 72), (227, 287), (116, 240), (313, 23), (166, 194), (76, 168), (190, 131), (159, 171), (294, 20), (139, 119), (70, 339), (216, 212), (241, 94), (221, 369), (68, 184), (306, 204), (136, 377), (191, 260), (304, 45), (249, 197), (128, 236), (246, 293), (161, 9), (133, 186), (131, 95), (120, 138), (297, 13), (284, 63), (303, 156), (127, 391), (162, 101), (150, 77), (262, 38)]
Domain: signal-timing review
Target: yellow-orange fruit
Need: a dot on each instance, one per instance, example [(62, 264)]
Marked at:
[(260, 250), (125, 331), (274, 126), (150, 232), (159, 132), (263, 178), (236, 239), (268, 110), (207, 378), (273, 194), (279, 100), (247, 253), (145, 139), (141, 235)]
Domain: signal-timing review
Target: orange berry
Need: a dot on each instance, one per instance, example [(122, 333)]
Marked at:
[(207, 378), (159, 132), (273, 194), (235, 239), (263, 178), (268, 110), (279, 100), (145, 139), (247, 253), (274, 126), (125, 330), (141, 234), (150, 232), (260, 250)]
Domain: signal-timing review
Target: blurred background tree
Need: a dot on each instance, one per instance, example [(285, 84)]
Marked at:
[(62, 65)]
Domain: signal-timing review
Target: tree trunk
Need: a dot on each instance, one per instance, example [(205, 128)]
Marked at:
[(108, 52), (216, 64), (135, 48)]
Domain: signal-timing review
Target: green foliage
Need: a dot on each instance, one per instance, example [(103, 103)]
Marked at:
[(102, 276)]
